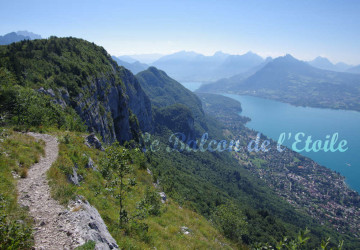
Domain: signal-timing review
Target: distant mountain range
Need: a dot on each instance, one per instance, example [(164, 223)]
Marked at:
[(18, 36), (290, 80), (190, 66), (324, 63), (134, 66), (144, 58)]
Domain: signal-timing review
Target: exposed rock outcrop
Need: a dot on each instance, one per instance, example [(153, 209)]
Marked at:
[(107, 103), (185, 230), (93, 141), (104, 109), (106, 106), (90, 225), (163, 197), (91, 165), (75, 178), (139, 102)]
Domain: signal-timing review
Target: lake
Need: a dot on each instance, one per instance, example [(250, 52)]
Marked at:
[(272, 118)]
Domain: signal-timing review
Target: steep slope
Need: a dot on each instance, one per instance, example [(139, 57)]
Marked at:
[(81, 75), (165, 91), (152, 223)]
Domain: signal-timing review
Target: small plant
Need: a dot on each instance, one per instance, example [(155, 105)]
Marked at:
[(23, 172), (140, 229), (150, 204), (67, 139), (76, 209), (89, 245)]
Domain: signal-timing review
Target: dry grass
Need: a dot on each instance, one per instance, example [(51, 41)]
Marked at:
[(23, 172), (77, 208)]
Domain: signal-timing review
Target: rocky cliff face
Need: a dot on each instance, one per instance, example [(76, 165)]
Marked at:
[(106, 106), (139, 102), (104, 109)]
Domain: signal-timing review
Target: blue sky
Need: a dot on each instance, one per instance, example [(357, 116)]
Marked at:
[(305, 28)]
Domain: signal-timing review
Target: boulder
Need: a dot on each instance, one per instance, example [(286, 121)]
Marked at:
[(75, 178), (91, 164), (49, 92), (94, 142), (185, 230), (163, 197)]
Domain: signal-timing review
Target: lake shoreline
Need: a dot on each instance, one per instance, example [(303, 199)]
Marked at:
[(264, 126)]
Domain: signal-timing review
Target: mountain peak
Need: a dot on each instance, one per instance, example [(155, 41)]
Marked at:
[(28, 34), (289, 56), (220, 54), (286, 59), (250, 53), (290, 63), (321, 59)]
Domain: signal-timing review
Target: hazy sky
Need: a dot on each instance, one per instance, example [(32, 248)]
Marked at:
[(304, 28)]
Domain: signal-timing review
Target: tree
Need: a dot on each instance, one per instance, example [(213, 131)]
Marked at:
[(230, 221), (115, 168)]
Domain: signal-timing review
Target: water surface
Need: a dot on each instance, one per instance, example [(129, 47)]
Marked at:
[(272, 118)]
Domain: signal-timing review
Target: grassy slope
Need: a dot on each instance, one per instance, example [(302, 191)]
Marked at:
[(164, 230)]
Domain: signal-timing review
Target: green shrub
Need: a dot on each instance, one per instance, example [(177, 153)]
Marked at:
[(90, 245), (25, 108), (13, 234)]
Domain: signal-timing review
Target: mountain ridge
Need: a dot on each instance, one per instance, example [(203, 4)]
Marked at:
[(290, 80), (324, 63), (18, 36)]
